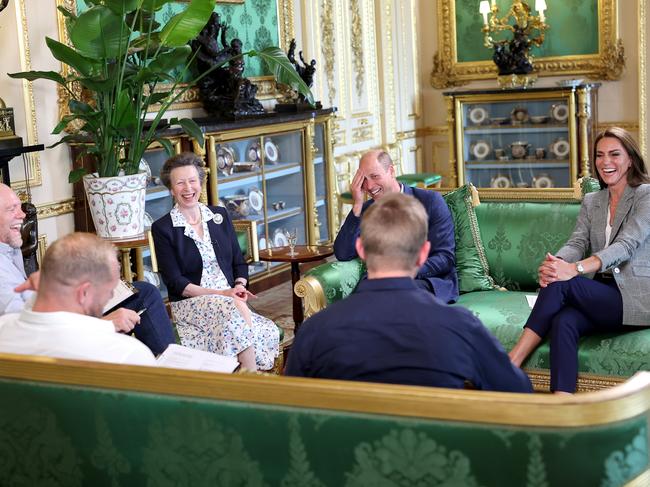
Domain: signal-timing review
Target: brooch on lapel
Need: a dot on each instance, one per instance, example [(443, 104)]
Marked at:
[(217, 219)]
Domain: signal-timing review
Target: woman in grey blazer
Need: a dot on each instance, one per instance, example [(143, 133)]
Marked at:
[(600, 278)]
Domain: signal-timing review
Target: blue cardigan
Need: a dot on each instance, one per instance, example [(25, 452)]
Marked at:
[(178, 256)]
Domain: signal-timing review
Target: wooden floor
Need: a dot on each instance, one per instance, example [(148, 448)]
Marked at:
[(276, 304)]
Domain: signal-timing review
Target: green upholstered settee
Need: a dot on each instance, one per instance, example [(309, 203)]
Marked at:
[(68, 423), (515, 237)]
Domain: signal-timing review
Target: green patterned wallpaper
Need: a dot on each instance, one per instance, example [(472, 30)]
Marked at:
[(255, 22), (573, 31)]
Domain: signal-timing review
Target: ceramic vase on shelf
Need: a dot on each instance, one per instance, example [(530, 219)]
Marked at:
[(117, 204)]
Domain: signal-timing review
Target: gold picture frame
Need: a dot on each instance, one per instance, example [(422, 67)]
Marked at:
[(266, 87), (607, 64)]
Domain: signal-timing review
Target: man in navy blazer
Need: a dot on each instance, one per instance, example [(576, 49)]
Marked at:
[(376, 178), (390, 330)]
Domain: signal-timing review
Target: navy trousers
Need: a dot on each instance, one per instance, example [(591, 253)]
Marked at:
[(571, 309), (155, 329)]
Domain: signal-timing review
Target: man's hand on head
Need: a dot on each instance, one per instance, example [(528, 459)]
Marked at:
[(358, 193), (31, 284), (123, 319)]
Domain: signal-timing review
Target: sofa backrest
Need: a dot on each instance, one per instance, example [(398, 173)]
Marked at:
[(75, 423), (516, 236)]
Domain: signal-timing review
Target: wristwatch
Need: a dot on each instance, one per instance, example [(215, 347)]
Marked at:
[(580, 268)]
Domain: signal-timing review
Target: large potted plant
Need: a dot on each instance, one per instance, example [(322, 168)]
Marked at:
[(121, 56)]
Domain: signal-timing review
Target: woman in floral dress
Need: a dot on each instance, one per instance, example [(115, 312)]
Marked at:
[(203, 268)]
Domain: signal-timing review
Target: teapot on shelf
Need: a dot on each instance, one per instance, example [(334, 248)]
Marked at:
[(519, 149)]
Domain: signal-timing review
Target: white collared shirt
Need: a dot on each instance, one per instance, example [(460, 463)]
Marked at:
[(70, 335), (12, 274)]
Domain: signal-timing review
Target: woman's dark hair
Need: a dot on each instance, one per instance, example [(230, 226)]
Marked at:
[(638, 174), (181, 160)]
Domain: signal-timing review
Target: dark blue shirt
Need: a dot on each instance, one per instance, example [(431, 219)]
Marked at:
[(390, 331), (439, 270)]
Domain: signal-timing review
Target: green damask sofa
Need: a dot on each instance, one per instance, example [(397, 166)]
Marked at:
[(499, 249), (69, 423)]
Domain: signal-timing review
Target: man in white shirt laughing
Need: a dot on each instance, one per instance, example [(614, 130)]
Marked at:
[(77, 278)]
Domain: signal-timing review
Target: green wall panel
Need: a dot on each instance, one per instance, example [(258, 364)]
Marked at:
[(255, 22), (573, 29)]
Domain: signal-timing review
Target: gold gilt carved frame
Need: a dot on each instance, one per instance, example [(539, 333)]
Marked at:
[(607, 64), (266, 87)]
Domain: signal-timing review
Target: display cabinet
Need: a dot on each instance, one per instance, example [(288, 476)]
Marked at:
[(522, 144), (277, 173)]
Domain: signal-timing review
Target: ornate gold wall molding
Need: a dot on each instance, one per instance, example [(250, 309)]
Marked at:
[(643, 78), (436, 130), (56, 208), (33, 159), (357, 45), (629, 125), (286, 23), (415, 114), (608, 63), (390, 108), (327, 49)]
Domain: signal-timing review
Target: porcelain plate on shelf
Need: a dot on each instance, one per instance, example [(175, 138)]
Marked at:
[(480, 149), (478, 115), (256, 199), (560, 112), (280, 239), (271, 151), (560, 148)]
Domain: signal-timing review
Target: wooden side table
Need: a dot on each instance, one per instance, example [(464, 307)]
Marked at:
[(303, 253)]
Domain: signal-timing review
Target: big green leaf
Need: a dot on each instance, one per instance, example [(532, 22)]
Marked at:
[(153, 5), (100, 34), (125, 114), (167, 61), (186, 25), (190, 127), (283, 70), (63, 53), (34, 75), (122, 7)]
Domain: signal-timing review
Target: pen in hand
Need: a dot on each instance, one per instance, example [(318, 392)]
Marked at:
[(142, 311)]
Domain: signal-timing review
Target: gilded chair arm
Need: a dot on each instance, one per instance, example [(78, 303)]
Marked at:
[(247, 235), (328, 283)]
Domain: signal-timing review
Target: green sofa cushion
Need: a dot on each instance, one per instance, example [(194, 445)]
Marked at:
[(426, 178), (76, 435), (517, 236), (504, 313), (471, 263), (338, 279)]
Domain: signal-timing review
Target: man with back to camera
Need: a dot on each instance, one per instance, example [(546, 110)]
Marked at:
[(77, 278), (390, 329), (376, 178), (154, 328)]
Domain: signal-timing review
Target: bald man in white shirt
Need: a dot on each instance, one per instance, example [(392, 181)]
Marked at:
[(77, 278)]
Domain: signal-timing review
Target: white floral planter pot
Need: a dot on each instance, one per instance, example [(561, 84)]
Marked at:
[(117, 204)]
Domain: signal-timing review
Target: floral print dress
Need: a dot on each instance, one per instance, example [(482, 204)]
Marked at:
[(212, 322)]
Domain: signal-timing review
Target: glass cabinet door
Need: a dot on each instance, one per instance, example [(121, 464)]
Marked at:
[(321, 182), (261, 179), (517, 143)]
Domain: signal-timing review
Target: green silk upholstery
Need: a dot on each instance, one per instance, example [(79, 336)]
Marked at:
[(242, 238), (505, 312), (517, 236), (471, 263), (338, 279), (425, 178), (71, 436)]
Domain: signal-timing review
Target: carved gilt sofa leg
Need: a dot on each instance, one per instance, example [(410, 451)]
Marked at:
[(312, 294)]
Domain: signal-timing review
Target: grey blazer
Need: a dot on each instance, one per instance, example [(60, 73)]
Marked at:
[(628, 254)]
